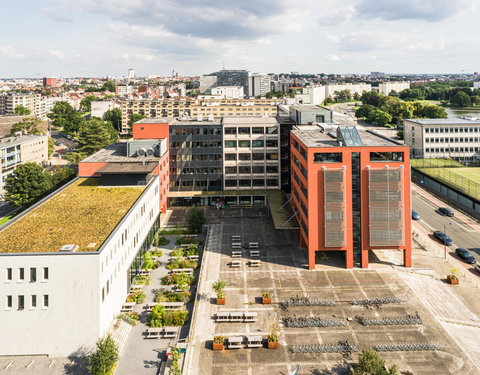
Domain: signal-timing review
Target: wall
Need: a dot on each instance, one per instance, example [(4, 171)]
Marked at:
[(150, 131), (89, 169)]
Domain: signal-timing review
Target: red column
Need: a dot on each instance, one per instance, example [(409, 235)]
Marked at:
[(349, 258), (364, 258)]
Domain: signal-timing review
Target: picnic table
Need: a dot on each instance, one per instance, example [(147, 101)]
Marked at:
[(254, 342), (128, 306), (235, 342)]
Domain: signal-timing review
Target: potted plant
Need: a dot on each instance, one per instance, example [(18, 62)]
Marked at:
[(266, 298), (272, 339), (218, 287), (453, 277), (218, 343)]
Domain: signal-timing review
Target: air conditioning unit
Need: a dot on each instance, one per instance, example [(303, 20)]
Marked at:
[(150, 151), (141, 151), (68, 248)]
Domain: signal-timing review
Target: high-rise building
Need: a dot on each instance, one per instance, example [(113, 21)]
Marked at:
[(233, 78), (207, 83), (258, 85), (131, 73), (350, 192), (49, 82)]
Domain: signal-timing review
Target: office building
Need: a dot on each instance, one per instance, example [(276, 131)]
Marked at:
[(350, 193), (228, 92), (456, 139), (131, 73), (21, 149), (207, 83), (308, 114), (233, 78), (258, 85)]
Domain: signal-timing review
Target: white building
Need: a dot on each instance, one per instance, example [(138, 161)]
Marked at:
[(228, 92), (258, 85), (476, 85), (123, 91), (313, 95), (458, 139), (99, 108), (317, 94), (56, 299), (354, 88), (207, 83), (385, 88), (251, 153), (131, 73)]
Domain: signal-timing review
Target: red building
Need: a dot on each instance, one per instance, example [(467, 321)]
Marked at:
[(49, 82), (350, 192)]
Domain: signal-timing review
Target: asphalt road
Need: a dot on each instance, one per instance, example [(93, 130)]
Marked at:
[(63, 140), (461, 234)]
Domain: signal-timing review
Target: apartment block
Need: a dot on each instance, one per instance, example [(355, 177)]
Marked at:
[(457, 139), (350, 193), (385, 88), (258, 85), (228, 92)]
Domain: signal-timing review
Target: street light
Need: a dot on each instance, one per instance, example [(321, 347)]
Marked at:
[(444, 245)]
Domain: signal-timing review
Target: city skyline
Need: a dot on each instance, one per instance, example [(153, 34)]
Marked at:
[(94, 39)]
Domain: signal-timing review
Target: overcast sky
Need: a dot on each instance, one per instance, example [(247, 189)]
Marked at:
[(106, 37)]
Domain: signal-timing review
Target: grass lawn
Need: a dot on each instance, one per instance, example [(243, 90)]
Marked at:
[(83, 214), (429, 163), (466, 180)]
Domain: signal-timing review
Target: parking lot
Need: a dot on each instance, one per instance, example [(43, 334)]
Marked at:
[(283, 273)]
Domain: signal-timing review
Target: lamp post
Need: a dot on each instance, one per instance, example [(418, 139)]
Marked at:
[(444, 245)]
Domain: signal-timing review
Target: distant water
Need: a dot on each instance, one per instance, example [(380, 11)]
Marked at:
[(459, 113)]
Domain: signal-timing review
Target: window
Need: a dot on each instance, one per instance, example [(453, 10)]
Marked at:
[(258, 182), (244, 143), (258, 156), (21, 273), (9, 274), (388, 156), (9, 302), (272, 182), (258, 169), (327, 157), (230, 130), (230, 170), (33, 275), (230, 143), (272, 130), (230, 183), (243, 130), (33, 301), (244, 169), (229, 157), (243, 157), (103, 294), (245, 183), (21, 302), (45, 300), (257, 130), (108, 287), (272, 156), (272, 169), (45, 273), (257, 143), (272, 143)]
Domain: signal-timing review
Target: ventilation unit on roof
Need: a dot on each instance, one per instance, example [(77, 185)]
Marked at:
[(141, 151), (150, 151), (68, 248), (210, 117)]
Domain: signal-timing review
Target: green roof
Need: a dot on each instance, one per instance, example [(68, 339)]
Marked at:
[(82, 214)]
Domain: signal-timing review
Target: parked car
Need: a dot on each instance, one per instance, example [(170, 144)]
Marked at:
[(465, 255), (57, 143), (443, 238), (446, 211), (476, 267), (415, 216)]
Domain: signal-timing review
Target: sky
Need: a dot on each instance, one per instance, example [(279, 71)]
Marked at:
[(97, 38)]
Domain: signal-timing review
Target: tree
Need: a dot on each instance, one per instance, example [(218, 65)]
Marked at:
[(394, 94), (95, 135), (356, 96), (412, 94), (195, 219), (108, 86), (342, 96), (364, 111), (274, 94), (432, 111), (371, 97), (86, 102), (115, 117), (379, 117), (460, 99), (29, 125), (101, 361), (370, 363), (63, 115), (51, 146), (61, 175), (21, 110), (218, 287), (134, 117), (27, 183)]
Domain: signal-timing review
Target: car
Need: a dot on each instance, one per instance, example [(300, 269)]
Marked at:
[(465, 255), (57, 143), (476, 266), (446, 211), (415, 216), (443, 238)]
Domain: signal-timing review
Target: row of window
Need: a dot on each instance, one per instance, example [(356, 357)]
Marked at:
[(202, 183), (451, 140), (254, 143), (336, 157), (253, 169), (252, 156), (191, 171), (204, 144), (174, 130), (21, 302), (255, 182), (251, 130), (456, 129), (451, 149), (21, 274), (190, 157)]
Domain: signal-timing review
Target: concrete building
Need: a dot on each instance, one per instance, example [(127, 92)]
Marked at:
[(251, 153), (123, 91), (228, 92), (19, 150), (443, 138), (258, 85), (317, 94), (476, 85), (207, 83), (99, 108), (67, 264), (233, 78), (313, 95), (131, 73), (350, 193), (49, 82), (385, 88), (13, 99), (308, 114), (354, 88)]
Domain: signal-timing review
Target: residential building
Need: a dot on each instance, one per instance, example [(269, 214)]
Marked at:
[(476, 85), (12, 100), (385, 88), (67, 263), (350, 192), (354, 88), (228, 92), (21, 149), (207, 83), (317, 94), (258, 85), (123, 91), (49, 82), (99, 108), (456, 139), (131, 73)]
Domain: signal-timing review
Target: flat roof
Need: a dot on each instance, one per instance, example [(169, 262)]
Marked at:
[(250, 120), (82, 214), (128, 168), (308, 107), (444, 121), (13, 141), (204, 122), (117, 152), (312, 136), (156, 120)]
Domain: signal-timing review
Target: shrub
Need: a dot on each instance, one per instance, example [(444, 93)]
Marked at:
[(218, 339), (156, 318), (157, 253), (370, 362), (218, 287), (159, 317), (192, 250), (166, 296), (177, 253), (175, 366), (161, 240), (143, 280), (176, 263), (187, 240), (137, 297), (148, 263), (103, 359), (274, 331), (181, 279)]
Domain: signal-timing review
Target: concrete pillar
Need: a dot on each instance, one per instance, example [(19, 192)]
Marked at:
[(364, 260), (349, 259)]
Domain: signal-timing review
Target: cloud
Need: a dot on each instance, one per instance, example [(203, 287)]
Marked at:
[(427, 10), (9, 51), (55, 15)]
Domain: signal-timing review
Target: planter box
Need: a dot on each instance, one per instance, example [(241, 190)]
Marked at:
[(266, 301), (220, 301), (272, 344), (217, 346), (452, 280)]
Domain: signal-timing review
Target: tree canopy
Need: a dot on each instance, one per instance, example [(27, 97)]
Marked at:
[(461, 99), (21, 110), (370, 363), (379, 117), (30, 125), (102, 360), (95, 135), (63, 115), (86, 102), (114, 116), (195, 219), (27, 183), (108, 86)]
